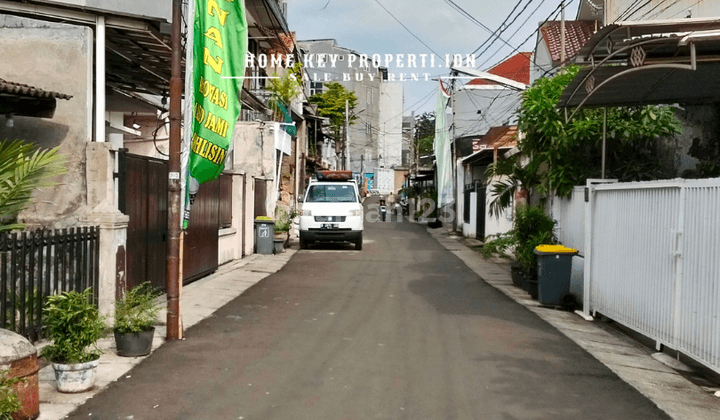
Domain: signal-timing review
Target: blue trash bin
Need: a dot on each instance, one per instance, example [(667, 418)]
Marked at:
[(554, 269)]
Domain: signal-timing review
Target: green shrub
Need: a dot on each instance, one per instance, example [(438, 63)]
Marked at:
[(9, 401), (283, 220), (74, 324), (138, 310), (532, 227)]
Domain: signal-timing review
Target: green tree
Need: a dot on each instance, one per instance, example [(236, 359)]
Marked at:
[(23, 168), (565, 153), (285, 88), (331, 104), (425, 133)]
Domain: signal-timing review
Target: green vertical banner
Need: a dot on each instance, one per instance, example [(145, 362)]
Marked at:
[(219, 48)]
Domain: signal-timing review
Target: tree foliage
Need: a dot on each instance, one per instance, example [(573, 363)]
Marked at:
[(23, 168), (285, 88), (331, 104), (565, 153), (425, 133)]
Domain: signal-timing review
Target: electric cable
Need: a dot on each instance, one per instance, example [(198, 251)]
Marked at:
[(473, 20), (407, 29)]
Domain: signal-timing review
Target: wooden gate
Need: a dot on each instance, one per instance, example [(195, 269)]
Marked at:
[(143, 195), (480, 224)]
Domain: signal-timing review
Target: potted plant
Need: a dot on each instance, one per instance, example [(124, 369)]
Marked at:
[(135, 316), (283, 223), (532, 227), (74, 325)]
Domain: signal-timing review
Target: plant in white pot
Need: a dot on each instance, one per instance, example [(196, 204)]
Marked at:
[(135, 317), (74, 325)]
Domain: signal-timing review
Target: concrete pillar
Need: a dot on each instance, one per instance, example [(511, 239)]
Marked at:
[(113, 237), (249, 215), (99, 169)]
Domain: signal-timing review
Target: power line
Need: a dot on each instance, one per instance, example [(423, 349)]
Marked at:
[(406, 28), (473, 20), (506, 27), (522, 25), (554, 12), (626, 11)]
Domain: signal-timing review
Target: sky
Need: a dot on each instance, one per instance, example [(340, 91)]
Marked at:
[(425, 27)]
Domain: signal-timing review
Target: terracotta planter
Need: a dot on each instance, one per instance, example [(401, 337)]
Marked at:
[(134, 344), (77, 377)]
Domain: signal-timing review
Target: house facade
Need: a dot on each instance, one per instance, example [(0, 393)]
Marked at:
[(112, 60)]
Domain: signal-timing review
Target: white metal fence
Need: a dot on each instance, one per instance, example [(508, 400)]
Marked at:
[(652, 261), (569, 213)]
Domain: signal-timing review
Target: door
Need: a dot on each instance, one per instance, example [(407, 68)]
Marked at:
[(480, 223)]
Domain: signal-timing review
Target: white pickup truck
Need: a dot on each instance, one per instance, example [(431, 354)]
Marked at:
[(332, 210)]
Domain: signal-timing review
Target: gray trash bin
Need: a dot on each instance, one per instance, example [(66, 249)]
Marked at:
[(554, 268), (264, 233)]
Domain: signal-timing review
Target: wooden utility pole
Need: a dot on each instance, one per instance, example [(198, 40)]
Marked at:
[(173, 279)]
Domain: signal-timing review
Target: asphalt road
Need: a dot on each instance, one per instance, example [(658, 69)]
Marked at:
[(400, 330)]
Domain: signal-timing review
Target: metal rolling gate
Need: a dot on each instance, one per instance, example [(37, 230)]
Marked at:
[(652, 261)]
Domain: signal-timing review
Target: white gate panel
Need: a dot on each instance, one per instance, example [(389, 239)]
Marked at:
[(653, 261), (632, 254), (699, 310)]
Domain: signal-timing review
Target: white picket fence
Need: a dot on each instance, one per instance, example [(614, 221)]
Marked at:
[(652, 260)]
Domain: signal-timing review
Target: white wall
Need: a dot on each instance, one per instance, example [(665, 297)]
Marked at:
[(654, 10), (496, 106), (391, 110), (495, 225)]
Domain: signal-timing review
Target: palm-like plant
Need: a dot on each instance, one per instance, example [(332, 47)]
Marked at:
[(507, 176), (23, 168)]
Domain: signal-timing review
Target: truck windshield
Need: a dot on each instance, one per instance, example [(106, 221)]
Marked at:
[(331, 194)]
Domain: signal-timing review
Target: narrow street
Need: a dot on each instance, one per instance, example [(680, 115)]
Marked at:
[(400, 330)]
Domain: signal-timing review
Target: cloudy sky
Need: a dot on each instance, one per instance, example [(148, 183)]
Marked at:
[(437, 27)]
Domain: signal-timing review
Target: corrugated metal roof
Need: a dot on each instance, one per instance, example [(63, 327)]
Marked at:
[(29, 91)]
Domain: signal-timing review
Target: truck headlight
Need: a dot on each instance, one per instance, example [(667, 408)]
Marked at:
[(307, 213), (356, 212)]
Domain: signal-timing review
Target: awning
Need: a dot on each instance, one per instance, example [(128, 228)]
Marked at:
[(138, 48), (29, 101), (636, 63), (497, 138)]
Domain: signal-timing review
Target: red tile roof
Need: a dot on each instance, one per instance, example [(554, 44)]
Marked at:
[(515, 68), (25, 90), (577, 33)]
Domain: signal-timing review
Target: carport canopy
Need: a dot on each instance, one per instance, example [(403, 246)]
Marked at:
[(639, 63)]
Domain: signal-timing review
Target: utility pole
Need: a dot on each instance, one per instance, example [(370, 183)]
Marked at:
[(562, 34), (454, 153), (346, 152), (173, 258), (412, 136)]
